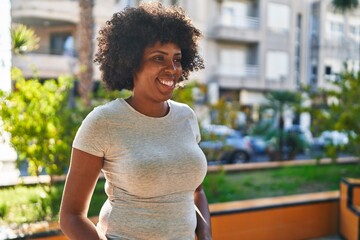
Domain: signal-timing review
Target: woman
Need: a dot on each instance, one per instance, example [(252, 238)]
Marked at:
[(145, 145)]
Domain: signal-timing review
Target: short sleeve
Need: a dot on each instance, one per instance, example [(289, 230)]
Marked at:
[(195, 127), (92, 136)]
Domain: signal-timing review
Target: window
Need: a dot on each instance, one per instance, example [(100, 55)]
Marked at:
[(278, 17), (336, 27), (277, 65), (327, 70), (233, 61), (313, 76), (355, 30), (235, 14), (57, 42)]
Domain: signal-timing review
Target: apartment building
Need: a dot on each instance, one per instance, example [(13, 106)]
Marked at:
[(254, 46), (334, 40), (56, 22), (249, 46)]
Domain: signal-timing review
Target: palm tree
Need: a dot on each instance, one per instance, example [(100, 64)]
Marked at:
[(280, 101), (86, 49), (345, 5), (23, 39)]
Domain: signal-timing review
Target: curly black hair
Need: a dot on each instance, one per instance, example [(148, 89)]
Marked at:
[(123, 39)]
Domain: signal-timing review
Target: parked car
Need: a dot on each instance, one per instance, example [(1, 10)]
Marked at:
[(335, 138), (225, 145), (258, 144)]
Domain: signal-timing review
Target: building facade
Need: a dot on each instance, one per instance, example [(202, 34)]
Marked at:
[(334, 39), (250, 47)]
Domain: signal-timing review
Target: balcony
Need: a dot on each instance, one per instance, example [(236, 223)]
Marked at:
[(341, 48), (45, 12), (246, 76), (238, 28), (45, 65)]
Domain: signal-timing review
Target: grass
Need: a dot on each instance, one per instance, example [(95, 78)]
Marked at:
[(222, 187), (21, 204)]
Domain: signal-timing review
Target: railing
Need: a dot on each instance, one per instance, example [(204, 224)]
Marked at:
[(242, 28), (238, 71), (350, 209), (54, 10), (45, 65), (237, 21)]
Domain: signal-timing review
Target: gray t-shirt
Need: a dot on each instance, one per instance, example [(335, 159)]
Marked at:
[(152, 167)]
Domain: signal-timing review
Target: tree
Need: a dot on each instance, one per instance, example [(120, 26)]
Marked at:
[(340, 110), (23, 39), (40, 123), (86, 49), (345, 5), (280, 101)]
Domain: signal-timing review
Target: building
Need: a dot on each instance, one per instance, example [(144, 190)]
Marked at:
[(250, 46), (253, 47), (334, 39)]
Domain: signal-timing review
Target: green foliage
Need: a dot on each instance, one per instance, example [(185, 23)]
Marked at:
[(184, 94), (225, 113), (23, 39), (103, 95), (4, 210), (24, 204), (279, 102), (276, 182), (345, 5), (339, 109), (282, 100), (41, 124), (218, 188)]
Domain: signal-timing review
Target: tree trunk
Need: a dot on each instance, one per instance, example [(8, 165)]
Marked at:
[(281, 137), (86, 48)]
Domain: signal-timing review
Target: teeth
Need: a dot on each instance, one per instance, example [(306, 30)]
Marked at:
[(169, 83)]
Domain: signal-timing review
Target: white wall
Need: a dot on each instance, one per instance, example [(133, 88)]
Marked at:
[(5, 45)]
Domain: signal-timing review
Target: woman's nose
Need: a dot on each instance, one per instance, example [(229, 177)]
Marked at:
[(171, 66)]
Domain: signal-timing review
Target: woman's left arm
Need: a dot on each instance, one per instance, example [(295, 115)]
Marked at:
[(203, 228)]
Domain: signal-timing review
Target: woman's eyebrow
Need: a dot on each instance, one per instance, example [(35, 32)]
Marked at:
[(163, 52)]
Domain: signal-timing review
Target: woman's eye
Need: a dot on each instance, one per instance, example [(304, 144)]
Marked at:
[(158, 58), (177, 60)]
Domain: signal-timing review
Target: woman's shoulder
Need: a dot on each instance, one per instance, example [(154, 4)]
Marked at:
[(106, 110), (181, 108)]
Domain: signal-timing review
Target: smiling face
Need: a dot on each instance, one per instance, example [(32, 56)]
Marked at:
[(159, 71)]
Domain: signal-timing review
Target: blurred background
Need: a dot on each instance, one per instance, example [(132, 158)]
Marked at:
[(281, 83)]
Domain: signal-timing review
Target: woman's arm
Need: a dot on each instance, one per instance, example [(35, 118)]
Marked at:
[(80, 183), (203, 228)]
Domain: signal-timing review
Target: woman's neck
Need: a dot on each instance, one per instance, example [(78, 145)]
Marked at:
[(148, 108)]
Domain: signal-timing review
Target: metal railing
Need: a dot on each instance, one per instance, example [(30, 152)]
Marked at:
[(237, 21)]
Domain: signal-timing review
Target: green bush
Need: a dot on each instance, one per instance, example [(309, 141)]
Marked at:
[(41, 124)]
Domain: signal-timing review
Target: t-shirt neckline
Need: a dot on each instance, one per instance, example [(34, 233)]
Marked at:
[(123, 102)]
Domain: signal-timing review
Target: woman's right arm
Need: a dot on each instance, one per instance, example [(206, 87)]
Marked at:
[(79, 187)]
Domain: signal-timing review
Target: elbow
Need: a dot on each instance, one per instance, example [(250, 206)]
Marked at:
[(66, 219), (62, 220)]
